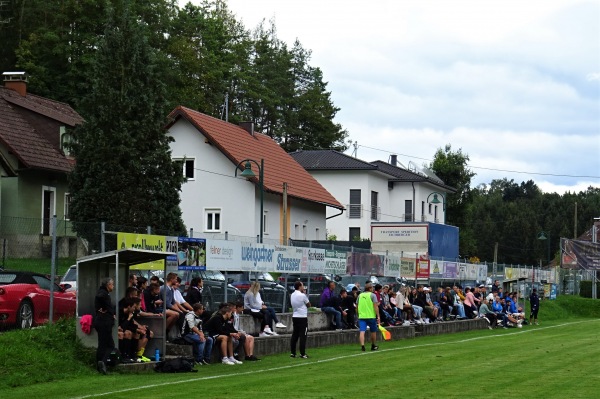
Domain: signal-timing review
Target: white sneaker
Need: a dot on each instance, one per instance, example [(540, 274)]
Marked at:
[(280, 325), (232, 359), (264, 334), (273, 333), (268, 330), (227, 362)]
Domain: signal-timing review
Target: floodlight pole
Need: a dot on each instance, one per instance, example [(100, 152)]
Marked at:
[(248, 173), (437, 201)]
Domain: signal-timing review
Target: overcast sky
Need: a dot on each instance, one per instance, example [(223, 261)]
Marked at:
[(514, 84)]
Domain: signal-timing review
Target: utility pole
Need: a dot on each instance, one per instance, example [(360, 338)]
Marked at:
[(495, 266)]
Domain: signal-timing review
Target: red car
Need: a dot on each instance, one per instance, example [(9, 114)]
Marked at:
[(25, 299)]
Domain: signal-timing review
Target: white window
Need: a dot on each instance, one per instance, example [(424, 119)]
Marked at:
[(68, 206), (212, 220), (304, 232), (188, 166)]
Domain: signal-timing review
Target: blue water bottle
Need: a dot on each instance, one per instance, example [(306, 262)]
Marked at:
[(157, 355)]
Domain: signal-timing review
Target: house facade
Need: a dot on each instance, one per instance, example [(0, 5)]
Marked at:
[(215, 201), (34, 163), (382, 196)]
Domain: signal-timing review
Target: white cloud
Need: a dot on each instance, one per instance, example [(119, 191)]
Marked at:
[(512, 83)]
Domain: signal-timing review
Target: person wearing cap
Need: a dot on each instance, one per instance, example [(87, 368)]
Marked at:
[(429, 307), (368, 316)]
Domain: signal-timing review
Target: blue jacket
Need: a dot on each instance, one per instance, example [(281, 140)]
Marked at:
[(497, 307)]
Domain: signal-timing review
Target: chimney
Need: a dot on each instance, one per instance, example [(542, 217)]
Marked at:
[(16, 81), (394, 159), (248, 126)]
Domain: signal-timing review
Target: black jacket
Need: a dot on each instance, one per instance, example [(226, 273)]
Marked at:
[(193, 296), (217, 325), (103, 303)]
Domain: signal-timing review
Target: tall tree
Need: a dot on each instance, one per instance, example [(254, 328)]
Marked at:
[(451, 167), (124, 173)]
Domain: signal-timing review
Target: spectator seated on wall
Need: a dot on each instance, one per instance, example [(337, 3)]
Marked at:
[(327, 305), (486, 313)]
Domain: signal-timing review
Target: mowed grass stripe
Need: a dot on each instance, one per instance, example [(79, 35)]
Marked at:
[(544, 361)]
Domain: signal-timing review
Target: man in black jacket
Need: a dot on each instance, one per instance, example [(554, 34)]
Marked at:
[(104, 322), (218, 329)]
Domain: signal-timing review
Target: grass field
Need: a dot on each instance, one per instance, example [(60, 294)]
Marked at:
[(553, 360)]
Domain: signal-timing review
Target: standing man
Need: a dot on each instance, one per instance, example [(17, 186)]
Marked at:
[(300, 305), (534, 301), (368, 315), (495, 286), (104, 322)]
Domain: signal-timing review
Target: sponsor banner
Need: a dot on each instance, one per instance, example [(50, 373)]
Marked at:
[(365, 264), (288, 260), (508, 273), (143, 241), (392, 266), (472, 271), (315, 259), (462, 271), (482, 273), (400, 233), (450, 270), (578, 254), (257, 257), (437, 269), (408, 268), (422, 268), (191, 253), (223, 255), (335, 262)]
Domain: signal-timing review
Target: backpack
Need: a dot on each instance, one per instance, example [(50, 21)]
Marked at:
[(114, 358), (176, 365)]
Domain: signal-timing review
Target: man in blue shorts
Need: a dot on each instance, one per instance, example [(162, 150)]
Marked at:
[(368, 315)]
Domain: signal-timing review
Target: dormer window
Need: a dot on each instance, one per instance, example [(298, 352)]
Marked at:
[(65, 141)]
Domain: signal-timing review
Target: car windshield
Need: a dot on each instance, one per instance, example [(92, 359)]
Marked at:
[(71, 274), (263, 277), (214, 275)]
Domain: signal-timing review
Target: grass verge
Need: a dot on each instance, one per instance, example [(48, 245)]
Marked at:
[(547, 361)]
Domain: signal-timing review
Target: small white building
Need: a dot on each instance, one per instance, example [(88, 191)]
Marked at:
[(215, 201), (375, 193)]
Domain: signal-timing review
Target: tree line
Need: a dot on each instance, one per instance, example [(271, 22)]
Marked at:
[(510, 214), (208, 61)]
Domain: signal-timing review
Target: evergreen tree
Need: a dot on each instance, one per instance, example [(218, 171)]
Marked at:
[(124, 173)]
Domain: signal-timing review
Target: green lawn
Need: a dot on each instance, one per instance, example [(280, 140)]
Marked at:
[(554, 360)]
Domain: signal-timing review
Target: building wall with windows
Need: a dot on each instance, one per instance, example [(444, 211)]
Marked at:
[(214, 201)]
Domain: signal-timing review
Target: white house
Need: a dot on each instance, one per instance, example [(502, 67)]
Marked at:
[(215, 201), (376, 194)]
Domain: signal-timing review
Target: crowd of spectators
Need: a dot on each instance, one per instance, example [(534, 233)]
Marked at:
[(222, 330)]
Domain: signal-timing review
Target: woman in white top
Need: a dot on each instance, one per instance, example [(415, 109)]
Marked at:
[(254, 306)]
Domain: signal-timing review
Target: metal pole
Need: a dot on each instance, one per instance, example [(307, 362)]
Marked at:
[(262, 194), (102, 240), (52, 269)]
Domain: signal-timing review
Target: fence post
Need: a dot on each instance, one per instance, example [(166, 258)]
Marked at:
[(192, 232), (148, 230), (226, 235), (52, 268), (102, 240)]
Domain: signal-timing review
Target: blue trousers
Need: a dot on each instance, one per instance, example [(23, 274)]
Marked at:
[(202, 350), (336, 314)]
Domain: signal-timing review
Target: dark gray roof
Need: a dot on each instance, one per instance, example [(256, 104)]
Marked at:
[(402, 175), (329, 160)]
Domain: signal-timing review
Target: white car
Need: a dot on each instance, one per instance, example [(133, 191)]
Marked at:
[(70, 278)]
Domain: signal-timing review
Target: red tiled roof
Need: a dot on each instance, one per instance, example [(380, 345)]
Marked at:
[(279, 167), (27, 144)]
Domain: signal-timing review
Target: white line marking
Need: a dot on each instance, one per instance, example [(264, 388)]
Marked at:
[(329, 360)]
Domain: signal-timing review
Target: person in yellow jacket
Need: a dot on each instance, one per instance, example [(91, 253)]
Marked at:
[(368, 315)]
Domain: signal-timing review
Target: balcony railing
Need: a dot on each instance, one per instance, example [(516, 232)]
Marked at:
[(354, 211), (375, 212)]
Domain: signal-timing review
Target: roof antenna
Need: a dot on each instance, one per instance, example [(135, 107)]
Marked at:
[(225, 108), (355, 151)]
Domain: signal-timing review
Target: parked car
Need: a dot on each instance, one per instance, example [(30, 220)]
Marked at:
[(314, 284), (213, 292), (25, 299), (271, 292), (348, 281), (70, 278)]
